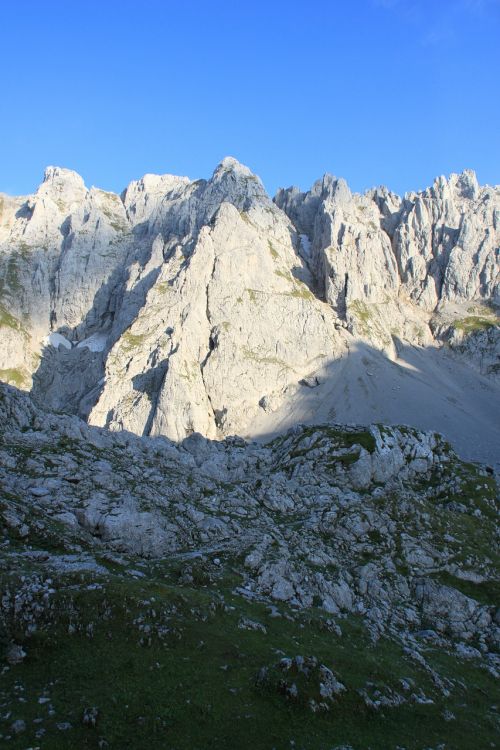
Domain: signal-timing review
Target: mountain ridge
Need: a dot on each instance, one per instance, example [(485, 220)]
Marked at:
[(157, 310)]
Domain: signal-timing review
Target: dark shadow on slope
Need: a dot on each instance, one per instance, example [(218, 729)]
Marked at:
[(71, 380), (25, 211), (150, 383), (68, 380), (304, 270), (426, 388)]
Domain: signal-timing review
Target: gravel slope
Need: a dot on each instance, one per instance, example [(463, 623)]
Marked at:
[(424, 388)]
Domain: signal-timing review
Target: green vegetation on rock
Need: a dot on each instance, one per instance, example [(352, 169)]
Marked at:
[(361, 310), (302, 293), (195, 643), (272, 250), (474, 323), (15, 376), (7, 320), (131, 341), (158, 663), (256, 357)]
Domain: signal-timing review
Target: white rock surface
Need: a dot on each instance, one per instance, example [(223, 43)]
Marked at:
[(431, 247)]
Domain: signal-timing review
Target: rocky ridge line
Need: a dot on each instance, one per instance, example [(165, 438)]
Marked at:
[(196, 306)]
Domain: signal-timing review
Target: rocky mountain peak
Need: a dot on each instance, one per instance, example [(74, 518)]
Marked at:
[(458, 186), (328, 186), (235, 183), (230, 164), (465, 184), (143, 197), (61, 183), (335, 189)]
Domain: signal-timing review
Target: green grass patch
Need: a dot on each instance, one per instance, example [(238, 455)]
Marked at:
[(474, 323), (272, 250), (256, 357), (15, 376), (345, 438), (360, 310), (131, 341), (302, 293), (168, 666), (485, 592), (7, 320), (163, 287)]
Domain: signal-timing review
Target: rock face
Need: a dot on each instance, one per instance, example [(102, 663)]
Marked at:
[(183, 307), (60, 250), (201, 355), (434, 247), (395, 268)]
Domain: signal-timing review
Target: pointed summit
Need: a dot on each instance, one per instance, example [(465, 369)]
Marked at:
[(237, 184), (230, 164), (63, 184), (61, 176), (466, 184)]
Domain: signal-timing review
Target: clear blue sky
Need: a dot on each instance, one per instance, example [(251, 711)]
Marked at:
[(377, 91)]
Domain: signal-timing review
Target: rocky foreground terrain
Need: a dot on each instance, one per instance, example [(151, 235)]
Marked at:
[(228, 515), (336, 587)]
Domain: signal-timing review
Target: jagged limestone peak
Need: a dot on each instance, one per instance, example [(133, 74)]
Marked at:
[(465, 184), (330, 186), (458, 185), (155, 183), (230, 164), (236, 179), (59, 182)]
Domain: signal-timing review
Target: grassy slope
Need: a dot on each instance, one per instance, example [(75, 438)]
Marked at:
[(195, 685)]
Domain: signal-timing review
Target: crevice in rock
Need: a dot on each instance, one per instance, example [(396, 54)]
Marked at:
[(212, 343)]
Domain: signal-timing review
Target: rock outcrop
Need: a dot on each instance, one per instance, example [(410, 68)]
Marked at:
[(351, 519), (432, 248), (137, 536)]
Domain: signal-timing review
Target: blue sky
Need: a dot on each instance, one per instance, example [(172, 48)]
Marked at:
[(388, 92)]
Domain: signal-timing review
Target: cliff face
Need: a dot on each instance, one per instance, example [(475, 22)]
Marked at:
[(185, 306), (434, 247)]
